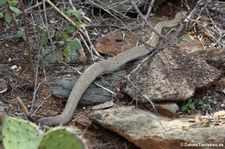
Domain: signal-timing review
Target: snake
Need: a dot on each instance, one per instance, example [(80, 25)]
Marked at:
[(105, 67)]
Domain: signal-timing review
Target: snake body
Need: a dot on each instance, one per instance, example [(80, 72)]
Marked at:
[(105, 67)]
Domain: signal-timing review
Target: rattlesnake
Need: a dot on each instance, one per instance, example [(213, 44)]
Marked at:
[(104, 67)]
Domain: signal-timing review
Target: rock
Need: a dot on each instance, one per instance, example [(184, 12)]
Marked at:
[(73, 57), (221, 83), (172, 74), (167, 109), (147, 130), (189, 44), (50, 57), (219, 114), (115, 42), (62, 85), (105, 105), (117, 5), (214, 57)]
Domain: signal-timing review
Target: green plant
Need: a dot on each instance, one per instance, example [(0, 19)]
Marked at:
[(79, 15), (64, 36), (199, 104), (21, 134), (71, 46), (189, 106), (205, 102), (61, 138), (9, 10), (21, 34)]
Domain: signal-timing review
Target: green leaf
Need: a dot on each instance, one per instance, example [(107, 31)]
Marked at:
[(2, 2), (70, 28), (8, 17), (63, 36), (81, 12), (44, 40), (190, 105), (34, 66), (184, 108), (75, 13), (66, 52), (80, 24), (15, 10), (20, 34), (13, 2), (74, 45)]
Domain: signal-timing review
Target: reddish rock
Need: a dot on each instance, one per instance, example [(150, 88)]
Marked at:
[(114, 43)]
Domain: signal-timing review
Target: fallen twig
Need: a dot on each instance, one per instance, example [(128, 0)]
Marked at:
[(24, 108)]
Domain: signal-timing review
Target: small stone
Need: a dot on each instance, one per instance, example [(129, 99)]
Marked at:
[(167, 109), (14, 67), (222, 105), (103, 105)]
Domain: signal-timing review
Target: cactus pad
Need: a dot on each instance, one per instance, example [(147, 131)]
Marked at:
[(61, 138), (20, 134)]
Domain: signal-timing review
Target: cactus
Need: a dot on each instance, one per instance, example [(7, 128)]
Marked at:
[(20, 134), (61, 138)]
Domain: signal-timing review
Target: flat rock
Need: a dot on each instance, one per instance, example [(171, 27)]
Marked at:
[(214, 57), (147, 130), (114, 43), (62, 85), (171, 74), (117, 5), (118, 41), (51, 56)]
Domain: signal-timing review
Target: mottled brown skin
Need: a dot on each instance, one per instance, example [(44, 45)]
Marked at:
[(105, 67)]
